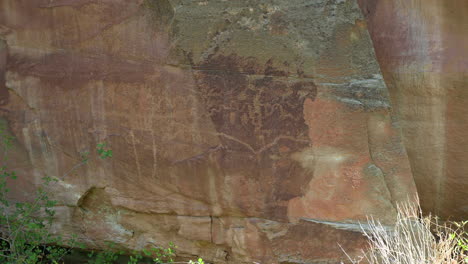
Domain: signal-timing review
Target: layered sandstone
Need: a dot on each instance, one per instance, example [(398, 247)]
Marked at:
[(242, 130)]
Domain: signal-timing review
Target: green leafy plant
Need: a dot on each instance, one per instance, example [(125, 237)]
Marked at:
[(24, 226), (161, 255), (199, 261), (25, 236), (104, 257), (157, 254), (135, 258), (461, 238), (103, 151)]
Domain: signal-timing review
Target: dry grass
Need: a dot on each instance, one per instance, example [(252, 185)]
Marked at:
[(413, 239)]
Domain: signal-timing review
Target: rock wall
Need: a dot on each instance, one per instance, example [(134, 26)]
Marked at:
[(422, 48), (241, 130)]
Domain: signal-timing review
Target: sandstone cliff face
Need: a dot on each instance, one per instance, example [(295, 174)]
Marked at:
[(242, 130), (422, 47)]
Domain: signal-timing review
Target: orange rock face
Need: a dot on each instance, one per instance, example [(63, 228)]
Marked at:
[(241, 130), (422, 48)]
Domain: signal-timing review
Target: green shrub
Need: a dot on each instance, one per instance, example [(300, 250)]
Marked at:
[(111, 255), (104, 257), (25, 236), (461, 238)]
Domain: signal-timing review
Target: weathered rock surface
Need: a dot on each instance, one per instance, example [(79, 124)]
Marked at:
[(422, 47), (240, 129)]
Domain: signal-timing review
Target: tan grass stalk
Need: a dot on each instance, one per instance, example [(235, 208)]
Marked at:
[(413, 239)]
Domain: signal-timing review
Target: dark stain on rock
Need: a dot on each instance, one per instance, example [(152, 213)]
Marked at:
[(60, 3), (367, 7), (259, 116), (236, 64), (270, 70), (70, 70), (230, 64), (254, 110), (161, 11), (278, 24), (4, 95)]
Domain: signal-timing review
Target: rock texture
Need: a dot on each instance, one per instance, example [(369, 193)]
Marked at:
[(242, 130), (422, 47)]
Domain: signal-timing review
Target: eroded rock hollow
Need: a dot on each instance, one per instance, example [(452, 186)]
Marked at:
[(241, 130)]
